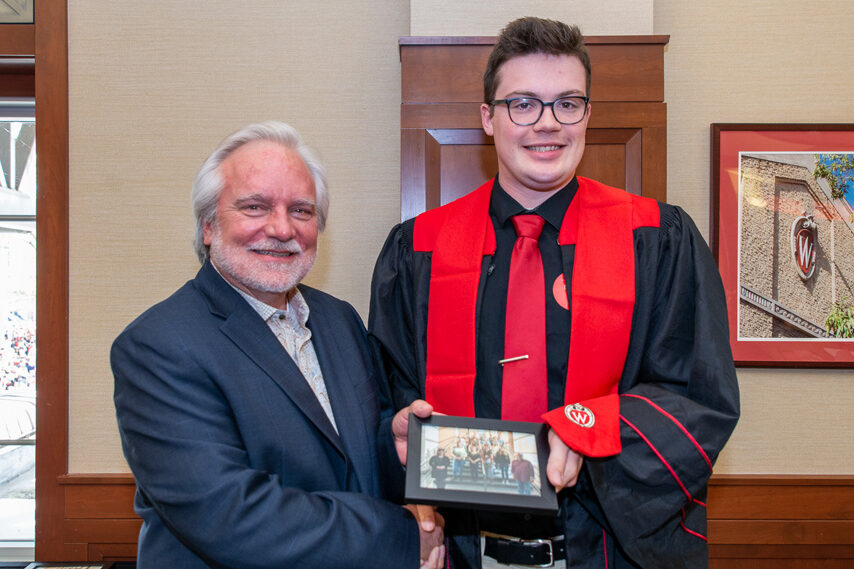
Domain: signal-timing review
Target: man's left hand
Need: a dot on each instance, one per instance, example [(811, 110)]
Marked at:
[(564, 463), (400, 425)]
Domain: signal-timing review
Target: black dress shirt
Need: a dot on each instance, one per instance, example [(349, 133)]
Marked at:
[(490, 329)]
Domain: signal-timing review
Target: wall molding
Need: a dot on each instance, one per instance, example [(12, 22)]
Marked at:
[(50, 49), (781, 521), (755, 521)]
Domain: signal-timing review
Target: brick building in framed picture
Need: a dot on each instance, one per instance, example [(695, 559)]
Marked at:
[(796, 248)]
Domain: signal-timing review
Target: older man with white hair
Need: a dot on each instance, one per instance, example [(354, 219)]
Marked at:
[(247, 402)]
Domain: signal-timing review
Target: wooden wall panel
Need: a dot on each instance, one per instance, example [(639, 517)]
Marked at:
[(441, 164), (17, 77), (16, 85), (17, 64), (446, 69), (98, 497), (774, 498), (98, 522), (111, 552), (780, 522), (17, 39), (621, 74), (444, 153), (102, 531)]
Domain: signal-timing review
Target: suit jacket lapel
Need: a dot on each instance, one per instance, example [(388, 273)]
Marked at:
[(335, 357), (255, 339)]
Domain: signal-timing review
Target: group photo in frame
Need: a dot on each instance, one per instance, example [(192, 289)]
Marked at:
[(485, 464), (782, 232)]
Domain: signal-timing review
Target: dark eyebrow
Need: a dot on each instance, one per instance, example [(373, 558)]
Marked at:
[(515, 94), (532, 95)]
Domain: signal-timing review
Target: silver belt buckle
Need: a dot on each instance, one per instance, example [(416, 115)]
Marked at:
[(551, 562)]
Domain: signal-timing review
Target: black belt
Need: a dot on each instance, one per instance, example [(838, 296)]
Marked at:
[(515, 551)]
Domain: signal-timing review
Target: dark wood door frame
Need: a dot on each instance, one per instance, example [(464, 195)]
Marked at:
[(35, 62)]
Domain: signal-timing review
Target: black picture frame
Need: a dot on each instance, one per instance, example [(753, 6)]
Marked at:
[(470, 488)]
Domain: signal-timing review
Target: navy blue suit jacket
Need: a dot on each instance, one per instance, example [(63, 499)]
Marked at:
[(235, 461)]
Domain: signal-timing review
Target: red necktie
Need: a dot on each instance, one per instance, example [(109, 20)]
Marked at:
[(524, 392)]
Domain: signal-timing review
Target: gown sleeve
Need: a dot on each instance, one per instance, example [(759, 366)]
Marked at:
[(396, 336), (678, 401)]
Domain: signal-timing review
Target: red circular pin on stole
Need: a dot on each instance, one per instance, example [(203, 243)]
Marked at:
[(559, 292)]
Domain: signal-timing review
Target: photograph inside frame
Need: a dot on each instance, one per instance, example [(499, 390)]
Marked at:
[(796, 254), (479, 460), (478, 463)]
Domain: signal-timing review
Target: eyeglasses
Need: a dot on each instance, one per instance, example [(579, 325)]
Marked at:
[(525, 111)]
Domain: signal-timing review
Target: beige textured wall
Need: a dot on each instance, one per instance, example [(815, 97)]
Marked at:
[(152, 91), (749, 62), (471, 18)]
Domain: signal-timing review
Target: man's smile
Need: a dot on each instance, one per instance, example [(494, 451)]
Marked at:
[(274, 253), (543, 148)]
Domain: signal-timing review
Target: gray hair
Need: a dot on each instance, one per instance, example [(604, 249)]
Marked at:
[(209, 183)]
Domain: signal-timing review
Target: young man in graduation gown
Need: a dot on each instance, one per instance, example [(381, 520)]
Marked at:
[(619, 340)]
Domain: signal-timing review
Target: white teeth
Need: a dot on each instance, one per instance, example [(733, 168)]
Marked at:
[(543, 148)]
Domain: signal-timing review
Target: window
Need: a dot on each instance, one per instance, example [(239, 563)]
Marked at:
[(17, 326)]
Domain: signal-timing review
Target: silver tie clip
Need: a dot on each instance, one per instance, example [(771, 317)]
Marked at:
[(514, 359)]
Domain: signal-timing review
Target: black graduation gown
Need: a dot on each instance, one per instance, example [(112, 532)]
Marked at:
[(679, 399)]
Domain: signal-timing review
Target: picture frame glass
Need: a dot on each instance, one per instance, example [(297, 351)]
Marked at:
[(479, 463)]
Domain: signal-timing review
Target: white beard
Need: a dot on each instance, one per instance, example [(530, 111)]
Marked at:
[(253, 272)]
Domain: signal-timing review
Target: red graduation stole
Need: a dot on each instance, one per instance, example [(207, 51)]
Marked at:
[(599, 222)]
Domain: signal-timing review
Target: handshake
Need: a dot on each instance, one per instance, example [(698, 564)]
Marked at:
[(430, 522)]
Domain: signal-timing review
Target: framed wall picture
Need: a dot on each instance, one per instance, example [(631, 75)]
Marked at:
[(487, 464), (782, 231)]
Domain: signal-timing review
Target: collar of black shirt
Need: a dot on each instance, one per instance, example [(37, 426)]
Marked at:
[(502, 207)]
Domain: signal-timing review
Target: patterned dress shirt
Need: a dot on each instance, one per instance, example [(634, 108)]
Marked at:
[(290, 328)]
